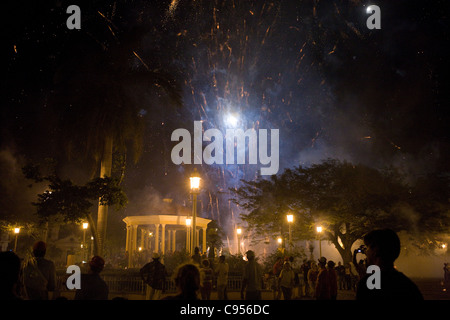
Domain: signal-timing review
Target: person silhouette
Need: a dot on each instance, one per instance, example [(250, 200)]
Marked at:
[(187, 281), (39, 274), (9, 275), (196, 257), (93, 287), (221, 271), (251, 278), (154, 275), (383, 248)]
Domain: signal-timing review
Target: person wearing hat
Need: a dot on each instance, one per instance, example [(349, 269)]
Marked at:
[(154, 275), (39, 274), (251, 278), (93, 287)]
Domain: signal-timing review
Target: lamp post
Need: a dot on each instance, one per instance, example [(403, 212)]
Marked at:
[(16, 231), (239, 232), (195, 187), (85, 226), (290, 219), (319, 231), (188, 235)]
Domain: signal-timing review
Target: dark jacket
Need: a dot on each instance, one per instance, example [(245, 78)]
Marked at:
[(93, 287), (394, 286), (154, 274)]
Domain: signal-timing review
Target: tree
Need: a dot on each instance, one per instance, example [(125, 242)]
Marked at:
[(95, 94), (347, 200), (72, 202)]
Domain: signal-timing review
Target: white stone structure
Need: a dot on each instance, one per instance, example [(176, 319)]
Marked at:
[(159, 226)]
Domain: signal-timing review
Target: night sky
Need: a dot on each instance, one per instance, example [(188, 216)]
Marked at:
[(311, 69)]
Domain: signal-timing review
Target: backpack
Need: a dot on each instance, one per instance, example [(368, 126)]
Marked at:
[(33, 277)]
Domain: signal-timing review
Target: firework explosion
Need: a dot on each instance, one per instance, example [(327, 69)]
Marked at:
[(311, 69), (258, 64)]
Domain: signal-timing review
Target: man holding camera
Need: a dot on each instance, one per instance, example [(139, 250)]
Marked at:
[(382, 249)]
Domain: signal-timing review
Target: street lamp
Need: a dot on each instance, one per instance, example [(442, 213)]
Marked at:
[(239, 232), (188, 236), (85, 226), (195, 187), (92, 246), (280, 240), (290, 219), (16, 231), (319, 231)]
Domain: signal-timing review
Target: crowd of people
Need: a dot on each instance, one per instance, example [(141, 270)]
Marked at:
[(35, 278)]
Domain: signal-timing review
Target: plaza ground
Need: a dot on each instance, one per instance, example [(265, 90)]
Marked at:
[(432, 289)]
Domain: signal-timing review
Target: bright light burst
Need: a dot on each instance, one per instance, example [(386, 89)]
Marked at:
[(231, 120)]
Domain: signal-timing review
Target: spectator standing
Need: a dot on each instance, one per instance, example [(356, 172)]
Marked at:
[(221, 271), (383, 248), (206, 276), (39, 274), (287, 280), (305, 269), (277, 267), (340, 273), (154, 275), (446, 273), (322, 291), (333, 282), (187, 280), (312, 278), (252, 278), (354, 276), (9, 275), (93, 287), (196, 257)]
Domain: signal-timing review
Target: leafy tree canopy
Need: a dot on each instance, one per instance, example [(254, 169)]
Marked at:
[(347, 200)]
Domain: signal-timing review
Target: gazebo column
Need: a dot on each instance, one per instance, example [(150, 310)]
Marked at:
[(149, 242), (204, 240), (127, 243), (169, 240), (157, 238), (132, 238), (174, 237), (143, 233), (197, 238), (163, 238)]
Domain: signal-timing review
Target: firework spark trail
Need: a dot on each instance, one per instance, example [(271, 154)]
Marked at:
[(232, 68), (140, 59)]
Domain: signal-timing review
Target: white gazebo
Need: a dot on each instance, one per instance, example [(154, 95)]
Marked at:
[(153, 229)]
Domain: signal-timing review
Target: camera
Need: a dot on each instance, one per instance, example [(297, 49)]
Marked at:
[(362, 249)]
